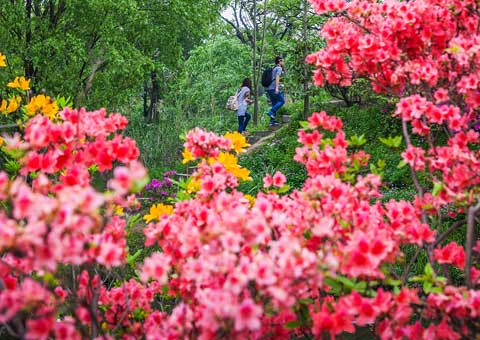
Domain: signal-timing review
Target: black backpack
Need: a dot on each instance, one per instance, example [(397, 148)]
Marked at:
[(267, 77)]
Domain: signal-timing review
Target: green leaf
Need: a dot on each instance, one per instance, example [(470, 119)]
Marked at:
[(437, 188), (427, 287), (336, 288), (93, 169), (420, 278), (428, 270), (345, 281), (360, 286), (303, 124), (306, 301), (14, 153), (293, 324), (392, 282), (133, 220), (401, 164), (392, 142), (131, 258), (357, 140), (307, 234), (284, 189)]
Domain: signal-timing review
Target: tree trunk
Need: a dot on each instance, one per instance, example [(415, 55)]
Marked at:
[(152, 111), (99, 63), (254, 64), (145, 99), (306, 94), (27, 62), (262, 51)]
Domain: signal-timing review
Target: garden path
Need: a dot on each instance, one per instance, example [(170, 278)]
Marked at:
[(259, 138)]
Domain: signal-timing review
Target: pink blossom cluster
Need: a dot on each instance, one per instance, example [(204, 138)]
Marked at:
[(52, 222), (240, 267), (78, 141), (416, 46), (203, 144)]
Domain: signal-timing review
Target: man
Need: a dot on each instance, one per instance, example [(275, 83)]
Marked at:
[(274, 90)]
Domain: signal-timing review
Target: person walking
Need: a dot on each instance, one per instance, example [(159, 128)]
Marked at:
[(244, 100), (274, 90)]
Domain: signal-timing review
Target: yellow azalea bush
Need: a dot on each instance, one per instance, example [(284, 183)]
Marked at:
[(187, 156), (3, 60), (10, 106), (11, 102), (20, 83), (157, 211), (230, 162), (227, 159), (239, 142), (42, 104)]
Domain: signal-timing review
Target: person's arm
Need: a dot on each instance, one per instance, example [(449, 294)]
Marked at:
[(247, 98), (277, 82)]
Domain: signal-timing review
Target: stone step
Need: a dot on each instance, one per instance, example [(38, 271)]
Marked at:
[(274, 127)]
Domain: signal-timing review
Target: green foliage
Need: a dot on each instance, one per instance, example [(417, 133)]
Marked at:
[(357, 141), (431, 283), (275, 155), (100, 53), (212, 73), (160, 143), (392, 142), (374, 121)]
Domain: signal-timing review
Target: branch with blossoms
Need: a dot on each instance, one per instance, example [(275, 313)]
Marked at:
[(435, 77)]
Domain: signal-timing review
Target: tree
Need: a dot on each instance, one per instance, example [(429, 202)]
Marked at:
[(287, 28), (173, 29), (102, 51), (210, 73), (75, 48)]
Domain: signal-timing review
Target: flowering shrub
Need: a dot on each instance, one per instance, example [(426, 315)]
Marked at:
[(161, 190), (318, 260)]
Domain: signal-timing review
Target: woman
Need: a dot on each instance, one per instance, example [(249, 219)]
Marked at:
[(244, 100)]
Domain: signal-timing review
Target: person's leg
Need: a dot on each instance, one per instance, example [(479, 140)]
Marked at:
[(240, 123), (247, 119), (273, 101), (279, 102)]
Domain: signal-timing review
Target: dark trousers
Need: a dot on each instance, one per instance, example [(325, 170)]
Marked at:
[(243, 121)]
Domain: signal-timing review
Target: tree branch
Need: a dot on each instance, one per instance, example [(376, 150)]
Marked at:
[(472, 212)]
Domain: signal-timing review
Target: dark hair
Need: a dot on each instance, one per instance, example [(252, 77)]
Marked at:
[(277, 60), (247, 82)]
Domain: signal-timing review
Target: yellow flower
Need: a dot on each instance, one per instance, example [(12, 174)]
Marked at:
[(193, 186), (20, 83), (3, 62), (251, 199), (239, 142), (3, 106), (118, 210), (157, 211), (14, 104), (229, 161), (187, 156), (1, 141), (42, 104)]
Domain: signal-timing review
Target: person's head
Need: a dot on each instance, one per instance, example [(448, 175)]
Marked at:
[(247, 83), (279, 61)]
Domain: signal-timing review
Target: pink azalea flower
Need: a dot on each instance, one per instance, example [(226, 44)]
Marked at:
[(248, 316)]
